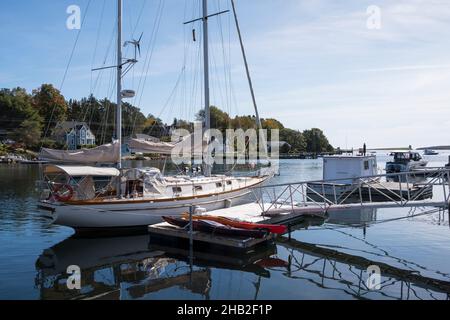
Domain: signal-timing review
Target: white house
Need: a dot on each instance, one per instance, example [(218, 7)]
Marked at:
[(74, 134)]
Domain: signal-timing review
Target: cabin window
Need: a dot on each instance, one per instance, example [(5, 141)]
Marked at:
[(176, 189), (229, 183), (219, 185), (366, 165), (198, 188)]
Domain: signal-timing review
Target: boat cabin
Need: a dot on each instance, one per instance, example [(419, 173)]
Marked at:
[(400, 157), (72, 184), (349, 168)]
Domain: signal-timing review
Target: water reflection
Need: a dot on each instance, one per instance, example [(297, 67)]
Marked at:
[(130, 268), (334, 270), (358, 217), (324, 259)]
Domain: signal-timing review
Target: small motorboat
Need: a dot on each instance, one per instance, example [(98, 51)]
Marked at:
[(405, 162), (277, 229), (429, 152), (216, 228)]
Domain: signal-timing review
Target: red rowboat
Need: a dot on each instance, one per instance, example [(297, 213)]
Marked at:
[(215, 227), (277, 229)]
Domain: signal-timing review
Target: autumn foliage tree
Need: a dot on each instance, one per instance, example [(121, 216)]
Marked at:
[(50, 104)]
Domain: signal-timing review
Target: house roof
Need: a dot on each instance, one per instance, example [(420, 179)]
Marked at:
[(70, 125)]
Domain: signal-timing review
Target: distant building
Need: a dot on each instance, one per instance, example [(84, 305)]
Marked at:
[(74, 134)]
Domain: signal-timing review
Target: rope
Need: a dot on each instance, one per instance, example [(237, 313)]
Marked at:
[(67, 67)]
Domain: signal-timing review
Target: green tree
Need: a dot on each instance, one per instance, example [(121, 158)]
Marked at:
[(272, 124), (15, 108), (219, 119), (316, 141), (133, 119), (100, 115), (295, 139), (154, 127), (50, 104), (29, 133)]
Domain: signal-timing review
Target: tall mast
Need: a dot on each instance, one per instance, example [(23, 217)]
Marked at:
[(249, 78), (206, 65), (119, 82), (207, 125), (258, 119)]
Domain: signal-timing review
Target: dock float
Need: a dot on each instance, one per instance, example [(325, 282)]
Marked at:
[(168, 231), (251, 212)]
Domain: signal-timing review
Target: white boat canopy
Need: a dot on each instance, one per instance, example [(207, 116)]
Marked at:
[(81, 171)]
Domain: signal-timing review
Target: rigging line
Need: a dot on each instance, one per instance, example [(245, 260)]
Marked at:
[(93, 61), (151, 39), (152, 50), (225, 64), (139, 18), (101, 72), (168, 100), (149, 53), (223, 86), (108, 50), (67, 67), (75, 45), (150, 44), (110, 88), (99, 28), (132, 124)]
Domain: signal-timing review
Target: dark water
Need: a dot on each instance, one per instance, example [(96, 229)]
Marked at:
[(323, 259)]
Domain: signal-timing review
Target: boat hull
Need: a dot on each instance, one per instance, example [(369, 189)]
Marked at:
[(136, 215)]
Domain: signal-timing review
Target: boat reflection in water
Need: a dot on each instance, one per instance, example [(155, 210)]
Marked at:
[(342, 267), (296, 266), (357, 217), (128, 268)]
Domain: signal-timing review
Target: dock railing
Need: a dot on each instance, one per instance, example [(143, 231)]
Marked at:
[(399, 189)]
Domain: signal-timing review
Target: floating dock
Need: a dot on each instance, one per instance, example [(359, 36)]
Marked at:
[(168, 231), (252, 212)]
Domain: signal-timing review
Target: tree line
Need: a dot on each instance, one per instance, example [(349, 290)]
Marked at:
[(29, 119)]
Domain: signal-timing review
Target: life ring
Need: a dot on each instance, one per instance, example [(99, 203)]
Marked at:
[(63, 198)]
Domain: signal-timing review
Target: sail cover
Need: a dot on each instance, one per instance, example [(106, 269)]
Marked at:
[(187, 143), (146, 146), (108, 153)]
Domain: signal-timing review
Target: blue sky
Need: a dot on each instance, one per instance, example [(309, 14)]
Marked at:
[(314, 62)]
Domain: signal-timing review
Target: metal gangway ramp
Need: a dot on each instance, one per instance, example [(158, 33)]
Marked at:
[(427, 187)]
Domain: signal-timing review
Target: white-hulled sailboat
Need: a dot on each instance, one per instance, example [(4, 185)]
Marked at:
[(91, 198)]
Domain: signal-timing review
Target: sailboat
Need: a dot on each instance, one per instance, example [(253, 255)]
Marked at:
[(110, 198)]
